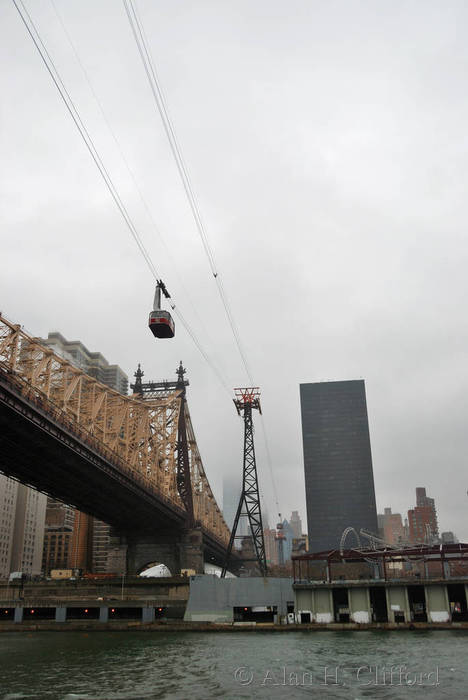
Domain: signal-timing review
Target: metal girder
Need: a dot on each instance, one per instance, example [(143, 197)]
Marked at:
[(184, 484), (192, 483), (246, 400), (139, 437)]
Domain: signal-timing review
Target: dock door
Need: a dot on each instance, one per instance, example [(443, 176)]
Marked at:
[(341, 604), (417, 603), (378, 601), (457, 597)]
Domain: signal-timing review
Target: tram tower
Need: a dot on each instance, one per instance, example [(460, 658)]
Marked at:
[(246, 400)]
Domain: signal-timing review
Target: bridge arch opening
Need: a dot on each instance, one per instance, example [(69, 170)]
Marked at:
[(155, 569)]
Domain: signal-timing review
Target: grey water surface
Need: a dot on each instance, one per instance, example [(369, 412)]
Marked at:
[(192, 666)]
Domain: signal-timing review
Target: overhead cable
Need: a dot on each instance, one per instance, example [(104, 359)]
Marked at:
[(159, 99), (73, 111), (158, 95), (122, 155), (54, 74)]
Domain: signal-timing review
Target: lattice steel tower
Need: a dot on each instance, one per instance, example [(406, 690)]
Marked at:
[(151, 390), (249, 503)]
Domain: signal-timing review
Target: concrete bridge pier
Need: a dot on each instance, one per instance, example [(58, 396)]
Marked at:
[(191, 550), (176, 550)]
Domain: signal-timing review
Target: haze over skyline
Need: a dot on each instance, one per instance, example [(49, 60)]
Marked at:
[(327, 146)]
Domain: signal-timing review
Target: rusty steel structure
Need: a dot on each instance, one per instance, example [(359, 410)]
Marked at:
[(137, 437), (248, 399), (410, 562)]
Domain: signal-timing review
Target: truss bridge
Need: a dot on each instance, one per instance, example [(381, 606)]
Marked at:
[(131, 461)]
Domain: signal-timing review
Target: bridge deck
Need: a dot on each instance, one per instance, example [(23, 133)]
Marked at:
[(39, 451)]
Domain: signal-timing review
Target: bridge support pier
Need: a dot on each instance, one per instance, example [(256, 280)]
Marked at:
[(191, 551), (177, 551)]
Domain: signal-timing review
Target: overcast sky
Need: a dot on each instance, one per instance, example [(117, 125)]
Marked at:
[(327, 144)]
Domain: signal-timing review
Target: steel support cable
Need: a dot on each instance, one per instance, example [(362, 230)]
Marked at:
[(124, 158), (269, 462), (200, 348), (73, 111), (140, 39), (158, 95), (54, 74), (148, 64)]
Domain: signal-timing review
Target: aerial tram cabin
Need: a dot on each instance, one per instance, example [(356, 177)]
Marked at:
[(160, 321)]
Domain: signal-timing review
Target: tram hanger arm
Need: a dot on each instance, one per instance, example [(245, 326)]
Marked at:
[(163, 288)]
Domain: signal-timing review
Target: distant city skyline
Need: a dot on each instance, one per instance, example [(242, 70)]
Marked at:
[(420, 526)]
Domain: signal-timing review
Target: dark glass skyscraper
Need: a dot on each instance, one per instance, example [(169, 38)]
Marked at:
[(337, 461)]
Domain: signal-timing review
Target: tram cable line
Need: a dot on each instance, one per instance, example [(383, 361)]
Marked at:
[(148, 64), (144, 51), (73, 111), (125, 161), (269, 462), (87, 139), (159, 99)]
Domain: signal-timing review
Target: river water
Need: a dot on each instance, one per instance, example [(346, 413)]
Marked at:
[(192, 666)]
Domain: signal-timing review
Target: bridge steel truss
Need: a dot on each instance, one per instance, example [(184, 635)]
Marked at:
[(138, 437)]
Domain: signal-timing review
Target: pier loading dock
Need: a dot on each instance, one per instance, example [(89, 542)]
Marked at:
[(349, 601), (60, 612), (420, 585), (97, 601)]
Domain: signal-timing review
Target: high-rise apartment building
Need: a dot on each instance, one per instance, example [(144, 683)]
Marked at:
[(337, 461), (231, 495), (60, 521), (88, 544), (232, 486), (69, 539), (288, 536), (422, 519), (448, 538), (271, 549), (101, 536), (391, 527), (22, 517), (93, 363), (296, 524), (423, 500)]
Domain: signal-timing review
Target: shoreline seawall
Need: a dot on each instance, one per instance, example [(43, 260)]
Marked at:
[(161, 627)]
